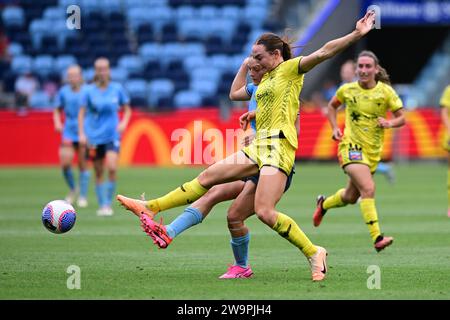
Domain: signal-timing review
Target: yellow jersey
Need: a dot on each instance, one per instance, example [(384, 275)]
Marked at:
[(277, 100), (445, 99), (363, 107)]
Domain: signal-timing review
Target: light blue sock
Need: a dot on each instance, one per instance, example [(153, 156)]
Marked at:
[(68, 176), (100, 190), (190, 217), (383, 168), (84, 183), (110, 191), (240, 249)]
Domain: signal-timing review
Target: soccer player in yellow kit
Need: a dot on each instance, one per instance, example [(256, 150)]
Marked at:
[(445, 115), (368, 99), (272, 152)]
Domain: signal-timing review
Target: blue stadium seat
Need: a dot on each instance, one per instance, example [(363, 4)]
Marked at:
[(88, 74), (150, 51), (40, 100), (63, 62), (15, 49), (144, 3), (43, 65), (131, 63), (119, 74), (194, 62), (137, 16), (224, 28), (185, 12), (37, 29), (230, 12), (192, 28), (21, 64), (194, 49), (159, 16), (254, 16), (187, 99), (108, 6), (173, 51), (159, 88), (54, 13), (206, 73), (221, 62), (208, 12), (136, 88), (204, 87), (13, 16)]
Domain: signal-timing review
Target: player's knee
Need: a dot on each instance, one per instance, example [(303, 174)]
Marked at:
[(368, 190), (205, 179), (213, 194), (264, 213)]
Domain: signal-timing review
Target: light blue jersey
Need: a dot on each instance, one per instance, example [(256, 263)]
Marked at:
[(102, 118), (70, 102), (251, 90)]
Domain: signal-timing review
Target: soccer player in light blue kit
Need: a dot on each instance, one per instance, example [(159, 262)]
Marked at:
[(68, 100), (102, 130)]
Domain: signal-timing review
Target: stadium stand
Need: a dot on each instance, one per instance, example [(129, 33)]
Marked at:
[(185, 48)]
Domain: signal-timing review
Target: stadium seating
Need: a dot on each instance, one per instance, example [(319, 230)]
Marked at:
[(179, 48)]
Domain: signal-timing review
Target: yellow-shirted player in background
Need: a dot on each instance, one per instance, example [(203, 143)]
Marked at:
[(368, 99), (445, 115)]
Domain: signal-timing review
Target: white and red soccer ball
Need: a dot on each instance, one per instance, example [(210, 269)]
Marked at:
[(58, 216)]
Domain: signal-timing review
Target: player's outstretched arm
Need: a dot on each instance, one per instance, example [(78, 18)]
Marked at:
[(333, 47)]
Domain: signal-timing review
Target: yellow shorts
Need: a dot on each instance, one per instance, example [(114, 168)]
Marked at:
[(274, 152), (446, 143), (349, 152)]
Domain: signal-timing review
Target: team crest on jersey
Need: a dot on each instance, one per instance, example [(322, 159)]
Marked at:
[(355, 153)]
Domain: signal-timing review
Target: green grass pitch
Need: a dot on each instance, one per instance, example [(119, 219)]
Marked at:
[(118, 261)]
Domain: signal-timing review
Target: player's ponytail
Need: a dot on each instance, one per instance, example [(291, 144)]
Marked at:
[(273, 42), (382, 74)]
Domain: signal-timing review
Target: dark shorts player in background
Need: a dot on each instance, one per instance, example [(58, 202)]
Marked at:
[(367, 102), (445, 115), (102, 130), (271, 153), (68, 101)]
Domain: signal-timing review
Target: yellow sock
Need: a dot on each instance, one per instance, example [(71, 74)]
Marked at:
[(287, 228), (370, 216), (185, 194), (334, 201)]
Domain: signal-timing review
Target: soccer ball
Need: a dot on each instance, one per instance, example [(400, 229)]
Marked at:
[(58, 216)]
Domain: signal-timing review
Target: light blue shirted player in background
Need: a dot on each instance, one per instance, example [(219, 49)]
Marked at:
[(102, 130), (68, 101)]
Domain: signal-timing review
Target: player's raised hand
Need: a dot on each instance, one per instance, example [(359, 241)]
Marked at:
[(365, 24)]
